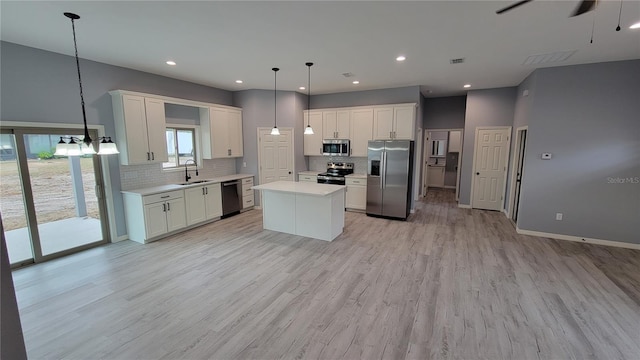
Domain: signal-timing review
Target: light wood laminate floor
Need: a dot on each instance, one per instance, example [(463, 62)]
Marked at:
[(449, 283)]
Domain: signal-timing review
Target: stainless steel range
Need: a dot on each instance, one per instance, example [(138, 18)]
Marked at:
[(335, 173)]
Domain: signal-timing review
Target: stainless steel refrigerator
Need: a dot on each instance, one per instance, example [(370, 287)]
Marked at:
[(389, 178)]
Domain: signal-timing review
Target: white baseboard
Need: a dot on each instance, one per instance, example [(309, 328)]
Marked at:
[(464, 206), (579, 239), (449, 187), (120, 238)]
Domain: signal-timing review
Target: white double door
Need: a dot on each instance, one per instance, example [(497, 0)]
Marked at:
[(275, 155), (490, 168)]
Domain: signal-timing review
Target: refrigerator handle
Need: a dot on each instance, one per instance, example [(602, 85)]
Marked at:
[(383, 170)]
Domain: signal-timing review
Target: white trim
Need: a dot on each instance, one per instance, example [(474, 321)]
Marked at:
[(464, 206), (579, 239), (172, 100), (506, 163), (512, 185), (120, 238)]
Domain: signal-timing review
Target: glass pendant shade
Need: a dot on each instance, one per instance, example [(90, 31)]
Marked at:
[(73, 149), (308, 130), (275, 131), (61, 148), (107, 147), (87, 149)]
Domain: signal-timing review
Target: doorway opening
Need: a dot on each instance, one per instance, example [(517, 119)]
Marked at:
[(442, 159), (518, 172), (51, 206)]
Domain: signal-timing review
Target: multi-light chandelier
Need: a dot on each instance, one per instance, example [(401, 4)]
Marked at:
[(75, 146)]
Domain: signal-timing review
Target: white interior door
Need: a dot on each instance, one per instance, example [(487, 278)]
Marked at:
[(490, 168), (275, 155)]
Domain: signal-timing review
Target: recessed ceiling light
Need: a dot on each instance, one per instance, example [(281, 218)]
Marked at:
[(401, 58), (302, 88), (172, 63), (635, 26), (467, 85), (238, 81), (356, 82)]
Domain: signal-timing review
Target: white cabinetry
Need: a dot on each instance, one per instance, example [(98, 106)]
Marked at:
[(151, 216), (394, 123), (308, 178), (356, 193), (247, 193), (203, 203), (140, 128), (336, 124), (455, 141), (435, 176), (313, 143), (361, 131), (221, 132)]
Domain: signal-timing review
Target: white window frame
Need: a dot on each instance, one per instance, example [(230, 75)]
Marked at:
[(198, 140)]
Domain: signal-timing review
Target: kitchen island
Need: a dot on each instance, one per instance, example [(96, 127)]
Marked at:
[(303, 208)]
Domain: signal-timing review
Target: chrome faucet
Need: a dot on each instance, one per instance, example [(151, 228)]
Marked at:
[(186, 170)]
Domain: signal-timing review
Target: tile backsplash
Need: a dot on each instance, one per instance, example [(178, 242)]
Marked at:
[(144, 176), (319, 163)]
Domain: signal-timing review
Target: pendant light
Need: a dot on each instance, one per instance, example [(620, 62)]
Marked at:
[(75, 145), (275, 130), (309, 130)]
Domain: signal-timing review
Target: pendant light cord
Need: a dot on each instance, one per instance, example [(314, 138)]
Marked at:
[(87, 138), (275, 97), (619, 16), (593, 25)]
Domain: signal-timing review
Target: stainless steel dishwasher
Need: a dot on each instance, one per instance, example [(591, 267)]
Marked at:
[(231, 197)]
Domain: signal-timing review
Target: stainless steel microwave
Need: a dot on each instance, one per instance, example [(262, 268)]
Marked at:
[(336, 147)]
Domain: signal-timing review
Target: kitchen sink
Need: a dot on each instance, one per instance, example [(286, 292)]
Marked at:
[(194, 182)]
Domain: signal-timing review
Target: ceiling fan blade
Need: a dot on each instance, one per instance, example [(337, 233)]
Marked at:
[(513, 6), (585, 6)]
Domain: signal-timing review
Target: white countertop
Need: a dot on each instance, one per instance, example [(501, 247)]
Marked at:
[(307, 188), (172, 187), (359, 176)]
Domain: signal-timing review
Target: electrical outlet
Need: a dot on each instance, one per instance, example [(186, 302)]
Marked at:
[(558, 216)]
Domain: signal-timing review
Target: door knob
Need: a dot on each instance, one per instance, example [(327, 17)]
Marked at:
[(477, 173), (289, 172)]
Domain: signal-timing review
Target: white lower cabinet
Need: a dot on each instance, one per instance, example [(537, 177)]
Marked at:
[(435, 176), (308, 178), (151, 216), (356, 193), (203, 203), (247, 193)]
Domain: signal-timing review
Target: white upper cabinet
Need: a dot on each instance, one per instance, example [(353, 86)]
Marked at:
[(394, 123), (455, 141), (336, 124), (313, 143), (404, 122), (383, 123), (140, 129), (221, 132), (361, 131)]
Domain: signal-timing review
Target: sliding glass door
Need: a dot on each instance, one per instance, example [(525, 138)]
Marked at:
[(62, 197)]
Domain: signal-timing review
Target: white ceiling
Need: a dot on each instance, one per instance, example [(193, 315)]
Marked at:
[(216, 43)]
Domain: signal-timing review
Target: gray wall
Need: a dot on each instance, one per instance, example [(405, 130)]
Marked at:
[(445, 112), (588, 117), (257, 111), (409, 94), (42, 86), (493, 107)]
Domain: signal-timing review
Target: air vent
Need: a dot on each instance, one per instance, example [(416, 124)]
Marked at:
[(348, 74), (456, 61), (554, 57)]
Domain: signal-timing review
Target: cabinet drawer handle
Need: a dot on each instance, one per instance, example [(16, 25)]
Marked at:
[(206, 191), (153, 156), (168, 207), (202, 191), (148, 156), (165, 197)]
